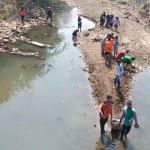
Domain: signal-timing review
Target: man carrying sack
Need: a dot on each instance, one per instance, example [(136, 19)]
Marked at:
[(105, 109), (128, 115)]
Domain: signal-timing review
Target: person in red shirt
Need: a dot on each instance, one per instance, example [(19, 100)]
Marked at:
[(22, 14), (121, 54), (105, 109)]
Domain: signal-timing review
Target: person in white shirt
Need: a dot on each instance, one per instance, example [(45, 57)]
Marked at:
[(119, 72)]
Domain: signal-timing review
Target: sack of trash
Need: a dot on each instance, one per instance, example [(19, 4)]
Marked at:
[(115, 124)]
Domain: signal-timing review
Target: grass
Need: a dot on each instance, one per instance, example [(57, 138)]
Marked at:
[(10, 7)]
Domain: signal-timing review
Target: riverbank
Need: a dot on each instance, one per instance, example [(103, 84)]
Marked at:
[(132, 35)]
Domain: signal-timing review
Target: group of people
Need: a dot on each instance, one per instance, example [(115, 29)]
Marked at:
[(109, 44), (105, 109), (75, 32), (110, 20), (49, 14)]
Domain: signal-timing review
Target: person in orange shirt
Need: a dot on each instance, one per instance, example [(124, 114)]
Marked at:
[(107, 50), (22, 14), (104, 110)]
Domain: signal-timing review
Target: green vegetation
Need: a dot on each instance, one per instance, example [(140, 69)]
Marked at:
[(9, 7)]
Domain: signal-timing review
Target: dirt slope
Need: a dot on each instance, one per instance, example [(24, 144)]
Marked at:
[(131, 33)]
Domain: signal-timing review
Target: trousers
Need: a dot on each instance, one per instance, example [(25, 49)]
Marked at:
[(22, 19), (49, 16), (117, 80), (102, 124), (79, 25), (125, 130)]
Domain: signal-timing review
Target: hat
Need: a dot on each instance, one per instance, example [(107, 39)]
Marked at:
[(129, 102)]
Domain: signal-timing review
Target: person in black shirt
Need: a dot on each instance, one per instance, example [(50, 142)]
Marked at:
[(49, 14), (102, 20)]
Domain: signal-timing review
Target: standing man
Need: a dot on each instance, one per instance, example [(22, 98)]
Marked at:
[(49, 14), (128, 115), (107, 50), (119, 72), (107, 21), (116, 45), (22, 14), (105, 109), (79, 23), (102, 20), (103, 43)]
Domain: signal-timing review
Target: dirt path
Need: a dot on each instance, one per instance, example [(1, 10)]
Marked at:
[(131, 34)]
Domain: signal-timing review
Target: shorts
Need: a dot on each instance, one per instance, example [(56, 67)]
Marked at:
[(107, 53), (102, 23), (111, 24)]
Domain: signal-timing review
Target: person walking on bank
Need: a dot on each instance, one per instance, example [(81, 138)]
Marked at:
[(119, 72), (128, 115), (104, 110), (22, 14), (79, 23), (117, 23), (49, 14), (108, 50)]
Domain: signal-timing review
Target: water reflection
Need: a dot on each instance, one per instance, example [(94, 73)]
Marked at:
[(16, 74)]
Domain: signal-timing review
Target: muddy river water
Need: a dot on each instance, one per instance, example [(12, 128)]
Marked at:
[(44, 107)]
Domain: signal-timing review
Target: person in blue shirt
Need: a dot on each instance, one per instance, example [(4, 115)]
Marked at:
[(74, 34), (79, 23), (116, 46)]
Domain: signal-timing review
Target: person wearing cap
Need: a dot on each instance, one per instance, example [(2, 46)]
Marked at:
[(127, 116), (49, 14), (119, 72), (105, 109)]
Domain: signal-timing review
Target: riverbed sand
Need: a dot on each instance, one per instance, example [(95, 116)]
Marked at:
[(132, 35)]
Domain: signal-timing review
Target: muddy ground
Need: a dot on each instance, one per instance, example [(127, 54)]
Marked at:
[(132, 35)]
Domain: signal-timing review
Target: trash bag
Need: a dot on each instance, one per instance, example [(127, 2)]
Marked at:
[(115, 124)]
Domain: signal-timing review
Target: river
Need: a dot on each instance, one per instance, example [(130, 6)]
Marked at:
[(44, 107)]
